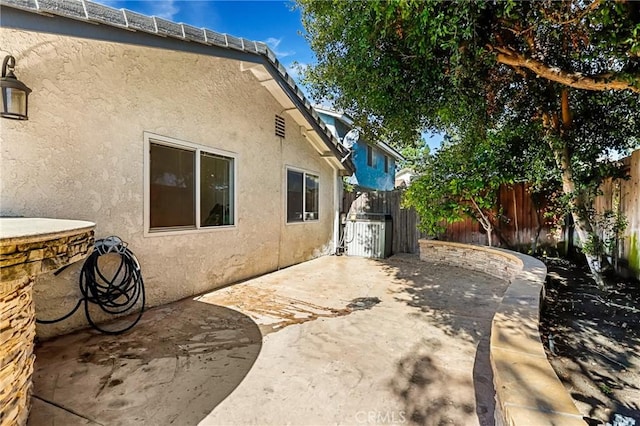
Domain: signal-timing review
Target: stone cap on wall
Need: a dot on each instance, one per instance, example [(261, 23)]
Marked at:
[(14, 230), (32, 246)]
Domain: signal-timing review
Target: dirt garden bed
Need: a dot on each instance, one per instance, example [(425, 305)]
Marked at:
[(592, 340)]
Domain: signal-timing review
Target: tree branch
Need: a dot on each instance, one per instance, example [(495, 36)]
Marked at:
[(484, 220), (593, 6), (575, 80)]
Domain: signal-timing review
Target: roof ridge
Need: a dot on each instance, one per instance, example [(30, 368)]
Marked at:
[(88, 11)]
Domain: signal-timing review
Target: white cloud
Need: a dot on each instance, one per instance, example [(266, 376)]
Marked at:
[(273, 44), (165, 9), (111, 3)]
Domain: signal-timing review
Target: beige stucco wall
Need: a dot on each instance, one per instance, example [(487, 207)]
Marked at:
[(80, 156)]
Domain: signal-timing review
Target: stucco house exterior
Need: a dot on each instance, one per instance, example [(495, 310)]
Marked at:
[(375, 163), (404, 177), (194, 147)]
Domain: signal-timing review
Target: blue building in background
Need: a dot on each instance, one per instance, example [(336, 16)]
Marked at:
[(375, 163)]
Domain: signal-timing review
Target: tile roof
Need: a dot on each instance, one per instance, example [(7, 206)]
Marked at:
[(91, 12)]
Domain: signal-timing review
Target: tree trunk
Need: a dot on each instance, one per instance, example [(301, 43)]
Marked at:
[(502, 237), (576, 203), (538, 216), (484, 221), (515, 216), (581, 223)]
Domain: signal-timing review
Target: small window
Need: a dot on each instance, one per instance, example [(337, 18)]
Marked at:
[(303, 197), (386, 164), (189, 187), (369, 155)]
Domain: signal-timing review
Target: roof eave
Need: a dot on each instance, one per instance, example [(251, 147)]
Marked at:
[(389, 150), (94, 13)]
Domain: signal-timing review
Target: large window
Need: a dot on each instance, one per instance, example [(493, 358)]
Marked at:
[(189, 187), (303, 196)]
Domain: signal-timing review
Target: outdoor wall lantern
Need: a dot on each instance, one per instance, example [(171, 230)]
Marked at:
[(15, 93)]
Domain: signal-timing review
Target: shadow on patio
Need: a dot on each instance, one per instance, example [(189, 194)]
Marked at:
[(438, 378), (345, 340), (174, 367)]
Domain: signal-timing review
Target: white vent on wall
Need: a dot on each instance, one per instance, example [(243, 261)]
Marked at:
[(279, 126)]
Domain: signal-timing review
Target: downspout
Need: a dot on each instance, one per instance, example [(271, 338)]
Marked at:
[(337, 198), (283, 190)]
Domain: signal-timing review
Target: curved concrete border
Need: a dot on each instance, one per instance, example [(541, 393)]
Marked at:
[(528, 391)]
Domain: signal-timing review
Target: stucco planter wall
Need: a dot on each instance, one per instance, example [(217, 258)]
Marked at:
[(528, 391)]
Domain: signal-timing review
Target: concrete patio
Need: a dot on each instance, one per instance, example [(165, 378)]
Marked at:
[(337, 340)]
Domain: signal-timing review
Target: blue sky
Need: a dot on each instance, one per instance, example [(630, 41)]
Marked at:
[(275, 22)]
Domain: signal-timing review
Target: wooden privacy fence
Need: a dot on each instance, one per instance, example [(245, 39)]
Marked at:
[(623, 196), (405, 221), (520, 218), (518, 224)]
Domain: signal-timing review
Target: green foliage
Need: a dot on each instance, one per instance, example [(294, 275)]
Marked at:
[(415, 156), (382, 62), (402, 66), (634, 252), (608, 229), (348, 187), (465, 68), (459, 180)]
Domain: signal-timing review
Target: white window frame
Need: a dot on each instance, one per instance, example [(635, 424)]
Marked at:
[(150, 138), (304, 194)]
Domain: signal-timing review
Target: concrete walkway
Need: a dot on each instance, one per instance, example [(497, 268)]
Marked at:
[(336, 340)]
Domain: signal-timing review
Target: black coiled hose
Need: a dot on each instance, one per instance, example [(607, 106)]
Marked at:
[(116, 295)]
